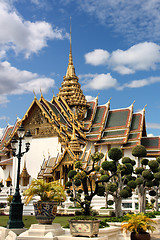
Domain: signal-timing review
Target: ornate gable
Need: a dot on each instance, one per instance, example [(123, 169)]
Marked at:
[(38, 123)]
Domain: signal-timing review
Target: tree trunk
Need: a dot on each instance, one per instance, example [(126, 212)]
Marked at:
[(106, 196), (156, 201), (74, 194), (118, 206), (142, 198)]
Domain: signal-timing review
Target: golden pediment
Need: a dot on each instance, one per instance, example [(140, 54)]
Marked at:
[(38, 124)]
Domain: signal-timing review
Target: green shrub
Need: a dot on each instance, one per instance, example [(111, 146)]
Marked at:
[(104, 177), (158, 159), (112, 187), (72, 173), (68, 191), (152, 200), (126, 160), (133, 162), (97, 168), (147, 174), (152, 193), (110, 202), (84, 217), (132, 184), (101, 190), (156, 182), (157, 175), (144, 161), (78, 164), (115, 154), (139, 151), (150, 214), (66, 225), (68, 184), (128, 168), (80, 191), (139, 170), (149, 184), (103, 224), (139, 181), (153, 164), (124, 193), (77, 182)]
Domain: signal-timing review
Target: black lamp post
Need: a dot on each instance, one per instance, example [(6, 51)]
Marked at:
[(16, 207)]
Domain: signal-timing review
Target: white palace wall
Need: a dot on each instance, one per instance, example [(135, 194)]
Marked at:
[(39, 149)]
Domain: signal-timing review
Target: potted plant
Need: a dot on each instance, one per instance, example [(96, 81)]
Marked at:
[(50, 195), (80, 183), (138, 225)]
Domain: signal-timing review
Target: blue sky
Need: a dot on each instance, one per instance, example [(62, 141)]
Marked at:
[(115, 46)]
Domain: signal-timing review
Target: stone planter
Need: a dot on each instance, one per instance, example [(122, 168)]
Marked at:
[(45, 212), (88, 228), (140, 236)]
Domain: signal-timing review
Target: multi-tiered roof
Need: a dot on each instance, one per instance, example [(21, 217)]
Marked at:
[(77, 122)]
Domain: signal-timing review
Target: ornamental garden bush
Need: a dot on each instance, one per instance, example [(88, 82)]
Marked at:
[(80, 182), (120, 182), (148, 177)]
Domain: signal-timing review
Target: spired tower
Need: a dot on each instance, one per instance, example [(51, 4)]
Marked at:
[(71, 89)]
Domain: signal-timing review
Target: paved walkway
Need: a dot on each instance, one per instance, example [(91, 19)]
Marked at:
[(155, 237)]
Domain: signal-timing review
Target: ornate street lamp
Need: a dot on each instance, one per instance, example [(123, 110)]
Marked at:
[(16, 207)]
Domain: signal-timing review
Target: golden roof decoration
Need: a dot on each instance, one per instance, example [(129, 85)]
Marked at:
[(24, 173), (74, 144), (71, 89), (9, 179)]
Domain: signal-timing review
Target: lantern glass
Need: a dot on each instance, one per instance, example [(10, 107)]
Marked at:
[(28, 137), (21, 131)]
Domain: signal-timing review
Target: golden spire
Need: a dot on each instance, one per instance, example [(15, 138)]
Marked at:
[(70, 69)]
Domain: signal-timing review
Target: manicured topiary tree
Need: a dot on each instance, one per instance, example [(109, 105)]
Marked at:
[(120, 182), (139, 151), (148, 176), (156, 186), (80, 182)]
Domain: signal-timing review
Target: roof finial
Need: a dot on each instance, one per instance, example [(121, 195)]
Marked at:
[(41, 93), (145, 107), (34, 94), (70, 69), (70, 53)]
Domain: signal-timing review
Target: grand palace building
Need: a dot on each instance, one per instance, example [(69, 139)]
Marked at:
[(68, 128)]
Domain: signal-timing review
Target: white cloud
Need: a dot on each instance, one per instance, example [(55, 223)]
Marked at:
[(153, 125), (141, 83), (99, 81), (142, 56), (3, 118), (15, 81), (3, 99), (150, 135), (136, 20), (97, 57), (89, 98), (24, 36)]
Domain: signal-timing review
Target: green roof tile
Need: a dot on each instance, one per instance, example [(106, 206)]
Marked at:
[(111, 140), (117, 118), (95, 129), (92, 136), (133, 135), (130, 144), (135, 122), (113, 133), (89, 112), (99, 115), (150, 142)]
